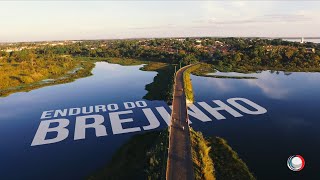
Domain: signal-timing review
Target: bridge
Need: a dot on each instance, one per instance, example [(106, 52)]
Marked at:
[(179, 164)]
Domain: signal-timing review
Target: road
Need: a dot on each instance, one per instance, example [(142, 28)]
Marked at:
[(179, 164)]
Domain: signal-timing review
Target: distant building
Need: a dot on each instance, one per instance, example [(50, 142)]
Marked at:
[(181, 39), (310, 50), (302, 40)]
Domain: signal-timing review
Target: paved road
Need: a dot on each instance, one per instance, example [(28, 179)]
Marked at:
[(179, 165)]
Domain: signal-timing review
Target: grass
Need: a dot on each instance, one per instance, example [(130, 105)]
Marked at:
[(144, 156), (204, 69), (125, 61), (154, 66), (16, 74), (188, 84), (202, 162)]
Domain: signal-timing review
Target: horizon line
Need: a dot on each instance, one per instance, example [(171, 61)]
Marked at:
[(165, 37)]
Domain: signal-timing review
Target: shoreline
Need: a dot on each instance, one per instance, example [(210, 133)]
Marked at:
[(83, 69)]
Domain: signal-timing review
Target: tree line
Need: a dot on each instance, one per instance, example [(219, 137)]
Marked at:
[(230, 52)]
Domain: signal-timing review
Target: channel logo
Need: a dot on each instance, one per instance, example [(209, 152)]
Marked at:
[(296, 163)]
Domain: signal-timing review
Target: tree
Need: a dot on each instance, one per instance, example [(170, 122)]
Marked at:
[(236, 57), (189, 59)]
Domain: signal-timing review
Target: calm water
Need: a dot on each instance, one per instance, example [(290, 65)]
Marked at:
[(20, 116), (264, 142)]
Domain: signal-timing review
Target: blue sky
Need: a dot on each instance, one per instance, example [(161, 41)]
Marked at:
[(61, 20)]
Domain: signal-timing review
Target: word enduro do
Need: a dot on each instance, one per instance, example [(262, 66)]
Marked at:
[(121, 121)]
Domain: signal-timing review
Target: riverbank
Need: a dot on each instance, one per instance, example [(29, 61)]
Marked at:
[(205, 69), (20, 77), (162, 86)]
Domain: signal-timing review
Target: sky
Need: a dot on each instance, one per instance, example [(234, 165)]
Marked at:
[(69, 20)]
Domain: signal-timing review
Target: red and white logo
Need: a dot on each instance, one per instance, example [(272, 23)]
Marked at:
[(296, 163)]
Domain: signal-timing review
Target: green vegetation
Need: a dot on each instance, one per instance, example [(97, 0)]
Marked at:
[(188, 84), (204, 69), (202, 162), (25, 70), (125, 61), (231, 54), (27, 74), (154, 66), (162, 86), (144, 156), (250, 55), (229, 77), (83, 69), (227, 163), (213, 158)]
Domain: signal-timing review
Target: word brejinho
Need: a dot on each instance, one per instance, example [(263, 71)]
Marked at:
[(116, 121)]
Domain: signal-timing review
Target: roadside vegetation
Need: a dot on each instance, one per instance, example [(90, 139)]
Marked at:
[(202, 162), (213, 158), (144, 156), (188, 84)]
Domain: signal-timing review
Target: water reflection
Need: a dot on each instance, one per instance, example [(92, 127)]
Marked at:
[(20, 117), (291, 125), (274, 84)]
